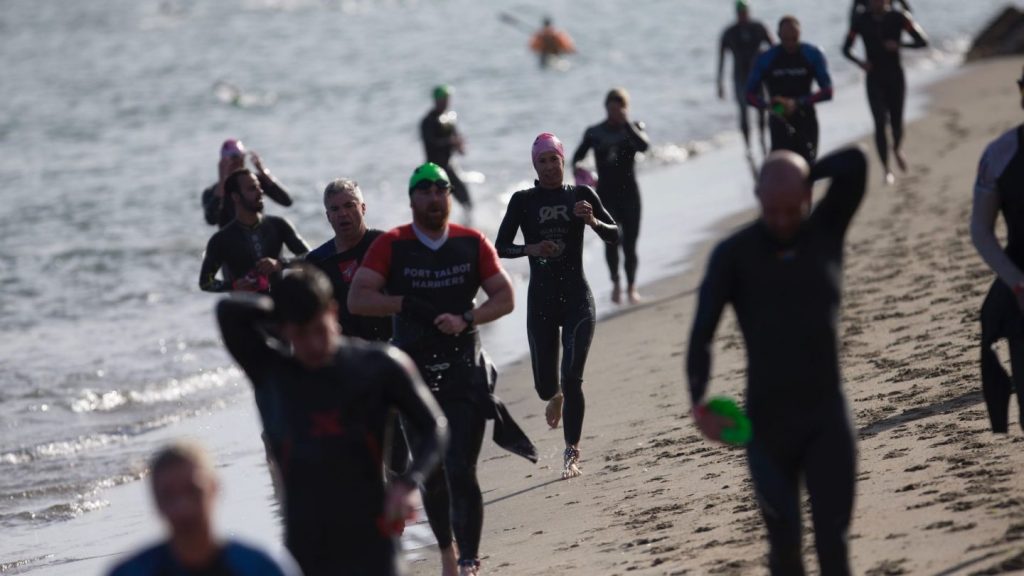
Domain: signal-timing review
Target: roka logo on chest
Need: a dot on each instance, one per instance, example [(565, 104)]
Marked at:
[(554, 212)]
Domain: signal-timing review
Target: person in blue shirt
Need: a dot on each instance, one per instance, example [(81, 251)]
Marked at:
[(788, 72), (185, 491)]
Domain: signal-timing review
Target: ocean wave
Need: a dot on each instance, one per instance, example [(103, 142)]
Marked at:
[(173, 390)]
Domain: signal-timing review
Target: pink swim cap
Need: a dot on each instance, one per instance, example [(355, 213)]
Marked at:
[(547, 142), (232, 148)]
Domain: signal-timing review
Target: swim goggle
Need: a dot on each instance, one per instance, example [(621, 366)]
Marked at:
[(426, 184)]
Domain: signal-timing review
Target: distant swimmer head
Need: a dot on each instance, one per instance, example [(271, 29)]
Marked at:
[(430, 197), (616, 104), (442, 92), (304, 305), (789, 33), (548, 155), (184, 487), (784, 192), (742, 9), (232, 148)]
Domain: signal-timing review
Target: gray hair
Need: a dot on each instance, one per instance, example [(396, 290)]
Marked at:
[(343, 185)]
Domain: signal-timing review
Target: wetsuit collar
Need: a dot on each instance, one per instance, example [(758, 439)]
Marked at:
[(429, 242), (539, 186)]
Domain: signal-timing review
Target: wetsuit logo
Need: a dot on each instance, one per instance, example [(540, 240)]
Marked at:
[(326, 424), (553, 212), (348, 270)]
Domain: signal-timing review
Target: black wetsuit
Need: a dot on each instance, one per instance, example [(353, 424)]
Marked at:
[(325, 427), (1002, 172), (861, 6), (436, 130), (786, 296), (559, 297), (886, 85), (341, 268), (615, 150), (234, 559), (238, 247), (221, 213), (744, 41), (790, 75), (446, 279)]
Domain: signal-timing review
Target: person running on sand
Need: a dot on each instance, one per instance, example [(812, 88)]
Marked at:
[(427, 274), (997, 190), (325, 401), (783, 276), (881, 29), (616, 142), (743, 40), (553, 217), (185, 490)]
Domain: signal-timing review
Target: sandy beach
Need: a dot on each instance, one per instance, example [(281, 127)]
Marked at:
[(937, 492)]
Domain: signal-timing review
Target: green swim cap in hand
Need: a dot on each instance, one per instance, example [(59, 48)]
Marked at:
[(740, 433)]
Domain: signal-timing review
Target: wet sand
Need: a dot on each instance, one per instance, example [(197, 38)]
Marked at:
[(937, 492)]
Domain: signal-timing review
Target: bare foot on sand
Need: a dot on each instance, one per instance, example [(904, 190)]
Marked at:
[(889, 178), (901, 160), (571, 465), (617, 294), (553, 412), (449, 561), (634, 296), (470, 569)]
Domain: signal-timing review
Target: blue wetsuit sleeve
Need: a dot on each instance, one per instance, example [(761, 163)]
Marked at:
[(637, 136), (505, 241), (420, 412), (847, 170), (241, 317), (754, 93), (212, 261), (607, 229), (819, 65), (581, 152), (715, 293)]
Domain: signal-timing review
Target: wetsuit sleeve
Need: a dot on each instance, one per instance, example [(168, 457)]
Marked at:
[(240, 317), (755, 96), (637, 136), (212, 261), (983, 221), (412, 398), (489, 264), (916, 33), (906, 5), (505, 242), (378, 257), (292, 240), (820, 67), (847, 170), (610, 231), (851, 36), (766, 36), (584, 147), (430, 133), (273, 188), (723, 45), (715, 293), (211, 206)]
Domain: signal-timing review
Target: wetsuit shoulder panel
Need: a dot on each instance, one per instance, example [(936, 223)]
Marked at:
[(489, 264), (757, 74), (378, 257), (997, 157), (247, 561)]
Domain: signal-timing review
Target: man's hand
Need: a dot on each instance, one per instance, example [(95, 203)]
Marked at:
[(788, 105), (709, 423), (268, 266), (398, 506), (246, 284), (257, 162), (865, 66), (542, 249), (450, 324), (584, 210)]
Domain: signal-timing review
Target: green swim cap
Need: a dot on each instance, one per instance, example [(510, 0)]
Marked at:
[(742, 5), (442, 91), (430, 172), (740, 433)]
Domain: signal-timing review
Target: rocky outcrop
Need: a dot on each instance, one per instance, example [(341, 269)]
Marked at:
[(1003, 36)]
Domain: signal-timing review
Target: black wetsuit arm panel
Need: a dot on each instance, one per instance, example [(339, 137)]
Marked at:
[(432, 137), (851, 36), (722, 47), (272, 188), (906, 5), (505, 242), (637, 136), (847, 170), (212, 261), (715, 293), (584, 147), (916, 33), (606, 228), (211, 205), (420, 412), (292, 240), (240, 317)]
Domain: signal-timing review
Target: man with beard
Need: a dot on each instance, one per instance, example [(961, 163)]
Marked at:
[(249, 247), (783, 276), (219, 212), (427, 275)]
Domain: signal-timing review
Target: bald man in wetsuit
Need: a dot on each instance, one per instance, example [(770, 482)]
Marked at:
[(783, 276)]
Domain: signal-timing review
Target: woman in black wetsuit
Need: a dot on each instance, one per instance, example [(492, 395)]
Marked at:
[(552, 216)]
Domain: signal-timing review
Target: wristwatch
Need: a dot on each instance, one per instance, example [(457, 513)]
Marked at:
[(467, 316)]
